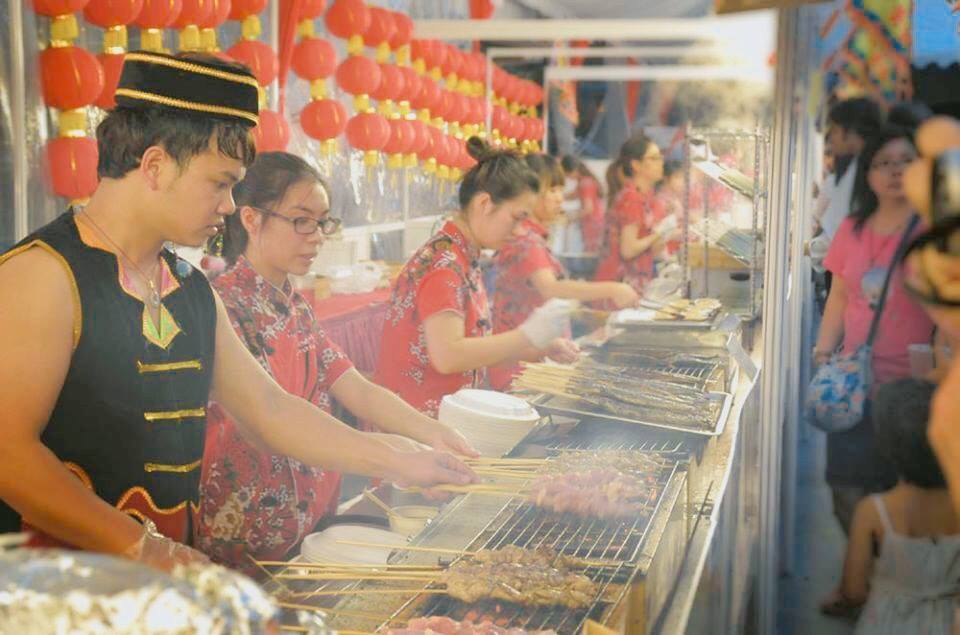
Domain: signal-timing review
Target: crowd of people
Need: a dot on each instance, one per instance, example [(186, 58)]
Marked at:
[(890, 492)]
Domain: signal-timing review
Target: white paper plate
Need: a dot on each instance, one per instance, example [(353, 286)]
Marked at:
[(324, 547)]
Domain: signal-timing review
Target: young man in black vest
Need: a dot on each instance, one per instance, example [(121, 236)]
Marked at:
[(113, 346)]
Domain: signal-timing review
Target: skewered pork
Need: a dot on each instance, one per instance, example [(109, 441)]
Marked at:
[(446, 626), (626, 461), (526, 584), (600, 493)]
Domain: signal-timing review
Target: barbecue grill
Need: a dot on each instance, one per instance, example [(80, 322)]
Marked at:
[(625, 597)]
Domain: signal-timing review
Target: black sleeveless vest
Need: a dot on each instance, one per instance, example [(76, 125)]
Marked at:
[(130, 419)]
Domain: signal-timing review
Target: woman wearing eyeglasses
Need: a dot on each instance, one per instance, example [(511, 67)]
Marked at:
[(253, 503), (859, 257), (632, 239)]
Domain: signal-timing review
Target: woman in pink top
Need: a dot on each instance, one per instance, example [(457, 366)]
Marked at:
[(859, 256)]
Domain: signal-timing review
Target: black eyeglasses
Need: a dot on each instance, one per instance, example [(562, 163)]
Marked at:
[(307, 225)]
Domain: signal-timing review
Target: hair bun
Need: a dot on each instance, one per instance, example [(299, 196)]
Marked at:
[(484, 152)]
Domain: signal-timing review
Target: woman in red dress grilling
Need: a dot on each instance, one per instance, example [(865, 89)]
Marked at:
[(438, 336), (253, 502)]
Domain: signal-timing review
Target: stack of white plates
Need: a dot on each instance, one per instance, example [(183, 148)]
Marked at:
[(325, 547), (493, 422)]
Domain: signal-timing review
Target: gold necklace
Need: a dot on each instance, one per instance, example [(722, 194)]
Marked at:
[(154, 296)]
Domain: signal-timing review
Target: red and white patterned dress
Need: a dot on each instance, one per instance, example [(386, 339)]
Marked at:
[(444, 275), (515, 297), (631, 207), (253, 503)]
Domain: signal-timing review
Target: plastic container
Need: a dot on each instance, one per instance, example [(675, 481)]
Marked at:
[(493, 422)]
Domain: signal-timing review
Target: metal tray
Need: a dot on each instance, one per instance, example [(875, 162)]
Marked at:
[(562, 406), (671, 324)]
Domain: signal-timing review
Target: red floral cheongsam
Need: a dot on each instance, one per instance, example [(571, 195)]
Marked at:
[(591, 225), (253, 503), (515, 297), (443, 275), (631, 207)]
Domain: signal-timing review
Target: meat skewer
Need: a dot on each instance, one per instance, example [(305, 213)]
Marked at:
[(526, 584), (600, 493)]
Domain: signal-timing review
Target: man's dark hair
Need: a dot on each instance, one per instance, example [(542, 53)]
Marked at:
[(126, 133), (908, 114), (901, 413), (859, 114)]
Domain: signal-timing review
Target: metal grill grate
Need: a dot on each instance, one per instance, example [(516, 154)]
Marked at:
[(703, 372), (522, 524)]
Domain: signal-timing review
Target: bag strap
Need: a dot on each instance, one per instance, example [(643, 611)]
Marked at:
[(897, 256)]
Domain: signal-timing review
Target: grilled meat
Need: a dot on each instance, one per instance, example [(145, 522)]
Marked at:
[(526, 584), (601, 493)]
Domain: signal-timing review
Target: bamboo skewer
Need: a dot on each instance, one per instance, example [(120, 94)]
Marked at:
[(320, 577), (373, 498), (347, 567), (332, 612), (385, 591), (358, 543)]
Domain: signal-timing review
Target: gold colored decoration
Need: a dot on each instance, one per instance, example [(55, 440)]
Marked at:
[(306, 29), (72, 123), (64, 30), (169, 367), (151, 40), (355, 45), (175, 415), (179, 103), (175, 469), (361, 103), (250, 28), (318, 89), (115, 40)]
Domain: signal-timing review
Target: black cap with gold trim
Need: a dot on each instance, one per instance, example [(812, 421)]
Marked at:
[(198, 85)]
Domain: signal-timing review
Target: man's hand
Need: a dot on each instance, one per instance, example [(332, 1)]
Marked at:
[(156, 550), (625, 297), (563, 351), (430, 467)]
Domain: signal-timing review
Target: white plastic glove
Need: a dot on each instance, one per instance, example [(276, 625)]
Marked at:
[(667, 226), (157, 551), (548, 322)]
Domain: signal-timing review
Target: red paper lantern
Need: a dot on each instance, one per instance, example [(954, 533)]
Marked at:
[(218, 14), (468, 161), (110, 13), (452, 60), (421, 138), (429, 95), (437, 54), (71, 77), (482, 9), (438, 145), (368, 131), (112, 65), (402, 137), (323, 119), (158, 14), (273, 132), (478, 111), (193, 13), (54, 8), (411, 83), (347, 18), (380, 29), (499, 119), (72, 162), (242, 9), (403, 30), (314, 58), (257, 55), (537, 95), (420, 50), (392, 83), (499, 79), (358, 75), (311, 9)]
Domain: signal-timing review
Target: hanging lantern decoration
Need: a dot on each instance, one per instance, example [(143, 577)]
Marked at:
[(63, 23), (391, 87), (418, 147), (273, 131), (156, 16), (402, 139), (71, 79), (349, 20), (360, 76), (219, 13), (72, 166), (400, 40), (113, 16), (411, 88), (427, 99), (192, 13), (379, 32), (314, 60), (369, 133), (324, 120), (272, 134)]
